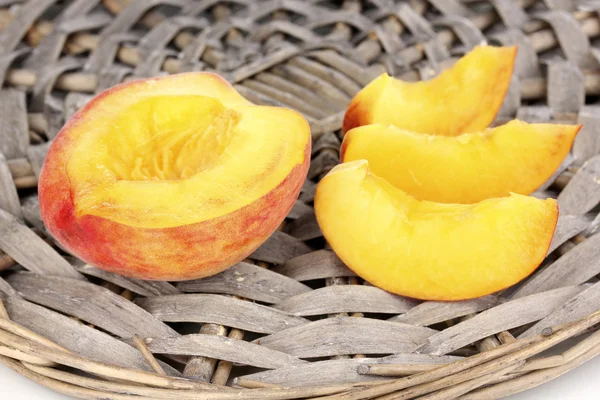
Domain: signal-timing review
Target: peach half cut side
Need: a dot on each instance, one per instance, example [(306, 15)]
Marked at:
[(463, 98), (172, 178), (516, 157), (427, 250)]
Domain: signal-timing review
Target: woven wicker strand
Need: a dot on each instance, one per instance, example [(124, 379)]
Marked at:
[(291, 321)]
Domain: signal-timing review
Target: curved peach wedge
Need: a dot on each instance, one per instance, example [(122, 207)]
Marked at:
[(517, 157), (172, 178), (426, 250), (464, 98)]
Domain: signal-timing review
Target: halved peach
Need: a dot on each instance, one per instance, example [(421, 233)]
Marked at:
[(464, 98), (172, 178), (517, 157), (428, 250)]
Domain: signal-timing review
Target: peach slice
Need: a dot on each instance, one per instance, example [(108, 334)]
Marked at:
[(427, 250), (464, 98), (172, 178), (516, 157)]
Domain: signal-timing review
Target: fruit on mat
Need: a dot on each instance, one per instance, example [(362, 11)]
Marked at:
[(516, 157), (429, 250), (464, 98), (172, 178)]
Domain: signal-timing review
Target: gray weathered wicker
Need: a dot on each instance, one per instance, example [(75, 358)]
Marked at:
[(292, 321)]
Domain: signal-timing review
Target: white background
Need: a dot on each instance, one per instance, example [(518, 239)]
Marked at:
[(581, 384)]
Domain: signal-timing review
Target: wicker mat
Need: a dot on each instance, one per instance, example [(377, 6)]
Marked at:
[(293, 321)]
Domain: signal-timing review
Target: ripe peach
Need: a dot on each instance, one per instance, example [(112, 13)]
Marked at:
[(464, 98), (172, 178), (427, 250), (516, 157)]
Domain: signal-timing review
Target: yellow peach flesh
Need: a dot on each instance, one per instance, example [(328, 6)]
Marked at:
[(428, 250), (516, 157), (184, 159), (464, 98)]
